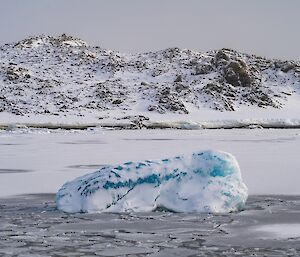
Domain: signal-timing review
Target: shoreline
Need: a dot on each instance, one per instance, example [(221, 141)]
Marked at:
[(184, 125)]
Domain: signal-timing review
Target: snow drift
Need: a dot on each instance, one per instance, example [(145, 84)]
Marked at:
[(208, 181)]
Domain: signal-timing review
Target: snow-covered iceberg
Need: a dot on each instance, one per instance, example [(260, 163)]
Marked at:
[(208, 181)]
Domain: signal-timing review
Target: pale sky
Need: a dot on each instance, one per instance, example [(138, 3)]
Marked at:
[(268, 28)]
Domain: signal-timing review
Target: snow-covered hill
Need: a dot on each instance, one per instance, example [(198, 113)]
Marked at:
[(62, 79)]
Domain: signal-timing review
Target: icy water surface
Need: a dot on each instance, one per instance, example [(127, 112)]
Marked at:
[(41, 161), (33, 162), (30, 225)]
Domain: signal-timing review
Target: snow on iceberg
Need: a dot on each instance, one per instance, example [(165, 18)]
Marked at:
[(208, 181)]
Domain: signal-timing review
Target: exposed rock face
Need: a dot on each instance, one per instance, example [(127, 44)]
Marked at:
[(221, 58), (203, 68), (221, 97), (237, 74), (63, 75)]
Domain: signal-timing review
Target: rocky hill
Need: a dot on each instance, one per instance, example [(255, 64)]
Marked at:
[(62, 75)]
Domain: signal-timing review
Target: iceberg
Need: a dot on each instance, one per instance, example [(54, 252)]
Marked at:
[(206, 181)]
